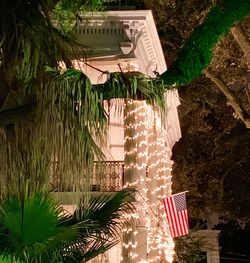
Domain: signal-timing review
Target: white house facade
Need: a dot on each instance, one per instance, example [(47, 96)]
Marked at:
[(140, 137)]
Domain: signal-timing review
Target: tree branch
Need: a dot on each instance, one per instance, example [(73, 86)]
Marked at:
[(14, 115), (235, 104), (196, 54), (243, 42)]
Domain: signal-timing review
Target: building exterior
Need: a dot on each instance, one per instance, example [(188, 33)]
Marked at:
[(140, 137)]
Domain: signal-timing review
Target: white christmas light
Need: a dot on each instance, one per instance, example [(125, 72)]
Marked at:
[(145, 149)]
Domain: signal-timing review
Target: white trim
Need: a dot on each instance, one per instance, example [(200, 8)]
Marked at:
[(138, 23), (131, 36)]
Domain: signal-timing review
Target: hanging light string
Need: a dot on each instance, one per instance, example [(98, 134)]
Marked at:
[(147, 150)]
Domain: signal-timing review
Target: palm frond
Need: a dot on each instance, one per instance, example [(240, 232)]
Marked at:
[(133, 85), (29, 42), (108, 213), (77, 123), (8, 259), (27, 223), (95, 248), (34, 229)]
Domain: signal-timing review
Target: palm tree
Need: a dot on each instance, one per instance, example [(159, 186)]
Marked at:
[(35, 229), (39, 121), (47, 115)]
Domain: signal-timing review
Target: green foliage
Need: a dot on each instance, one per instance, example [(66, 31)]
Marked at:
[(8, 259), (212, 159), (68, 12), (188, 249), (108, 216), (28, 229), (133, 85), (71, 102), (34, 229), (197, 51), (27, 226), (29, 42)]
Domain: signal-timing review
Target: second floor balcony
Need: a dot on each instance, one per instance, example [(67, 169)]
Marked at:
[(106, 176)]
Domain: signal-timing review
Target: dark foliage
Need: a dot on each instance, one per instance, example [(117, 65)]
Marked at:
[(234, 242)]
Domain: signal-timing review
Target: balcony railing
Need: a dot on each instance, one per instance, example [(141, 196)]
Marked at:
[(106, 176)]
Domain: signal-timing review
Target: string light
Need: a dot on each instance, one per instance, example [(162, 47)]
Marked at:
[(148, 164)]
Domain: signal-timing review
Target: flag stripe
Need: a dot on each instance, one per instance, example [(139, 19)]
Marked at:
[(172, 215), (167, 210), (176, 212), (181, 223), (186, 222)]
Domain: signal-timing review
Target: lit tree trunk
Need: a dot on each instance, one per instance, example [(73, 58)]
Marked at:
[(233, 101), (243, 42), (135, 236)]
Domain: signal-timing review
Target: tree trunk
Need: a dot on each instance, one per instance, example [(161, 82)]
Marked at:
[(243, 42), (233, 101)]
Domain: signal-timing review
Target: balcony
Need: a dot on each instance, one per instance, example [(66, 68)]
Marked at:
[(107, 176)]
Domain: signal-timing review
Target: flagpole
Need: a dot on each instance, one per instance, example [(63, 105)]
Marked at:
[(180, 193)]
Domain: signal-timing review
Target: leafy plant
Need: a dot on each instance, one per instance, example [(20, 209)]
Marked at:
[(35, 229), (188, 249), (69, 12)]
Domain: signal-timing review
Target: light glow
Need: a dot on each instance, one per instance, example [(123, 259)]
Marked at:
[(148, 168)]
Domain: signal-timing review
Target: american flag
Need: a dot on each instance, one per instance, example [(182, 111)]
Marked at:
[(176, 210)]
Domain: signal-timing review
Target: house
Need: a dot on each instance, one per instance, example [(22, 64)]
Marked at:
[(140, 137)]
